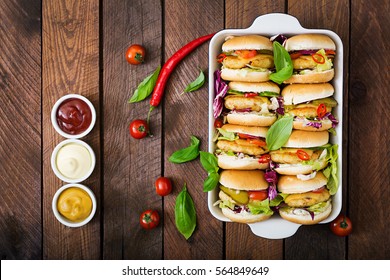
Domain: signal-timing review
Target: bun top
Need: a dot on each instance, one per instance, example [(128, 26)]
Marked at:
[(243, 179), (291, 184), (248, 42), (257, 131), (309, 42), (254, 87), (299, 93), (307, 139)]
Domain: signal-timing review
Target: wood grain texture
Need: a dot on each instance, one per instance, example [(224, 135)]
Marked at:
[(70, 65), (241, 243), (20, 130), (369, 148), (130, 165), (317, 242), (186, 115)]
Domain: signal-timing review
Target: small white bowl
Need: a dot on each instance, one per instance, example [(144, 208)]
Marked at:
[(54, 117), (66, 221), (55, 167)]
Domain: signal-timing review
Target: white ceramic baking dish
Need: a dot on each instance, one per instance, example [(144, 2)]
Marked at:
[(270, 25)]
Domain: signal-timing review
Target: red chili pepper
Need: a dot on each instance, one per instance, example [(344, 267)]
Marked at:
[(318, 58), (265, 158), (321, 110), (221, 57), (170, 65), (303, 155)]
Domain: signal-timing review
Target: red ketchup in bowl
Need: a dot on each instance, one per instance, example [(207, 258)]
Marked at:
[(74, 116)]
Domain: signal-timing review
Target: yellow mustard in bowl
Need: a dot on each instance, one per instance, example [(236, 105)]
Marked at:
[(74, 204)]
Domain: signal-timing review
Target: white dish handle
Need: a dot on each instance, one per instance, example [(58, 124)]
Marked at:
[(275, 228), (276, 23)]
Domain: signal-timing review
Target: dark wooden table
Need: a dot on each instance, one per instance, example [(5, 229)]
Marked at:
[(51, 48)]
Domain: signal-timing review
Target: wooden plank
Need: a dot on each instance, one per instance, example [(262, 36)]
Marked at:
[(130, 166), (369, 120), (317, 242), (20, 134), (241, 243), (70, 65), (186, 115)]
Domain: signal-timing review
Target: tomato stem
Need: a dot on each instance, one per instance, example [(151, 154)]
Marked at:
[(344, 223)]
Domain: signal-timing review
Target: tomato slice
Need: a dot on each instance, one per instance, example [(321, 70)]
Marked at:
[(221, 57), (218, 123), (319, 190), (265, 158), (332, 52), (250, 94), (303, 155), (258, 195), (318, 58), (246, 53), (257, 142), (295, 55), (321, 110), (245, 136)]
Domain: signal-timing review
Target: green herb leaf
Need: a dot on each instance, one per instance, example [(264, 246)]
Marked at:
[(186, 154), (146, 87), (279, 132), (283, 64), (185, 213), (197, 84), (209, 162), (211, 182)]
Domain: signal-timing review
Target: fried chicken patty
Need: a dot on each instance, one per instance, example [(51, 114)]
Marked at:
[(290, 155), (233, 102), (241, 146), (260, 60), (307, 199)]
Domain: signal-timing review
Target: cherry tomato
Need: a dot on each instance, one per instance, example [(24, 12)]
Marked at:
[(149, 219), (341, 226), (265, 158), (138, 129), (303, 155), (218, 123), (163, 186), (258, 195), (246, 53), (135, 54), (321, 110)]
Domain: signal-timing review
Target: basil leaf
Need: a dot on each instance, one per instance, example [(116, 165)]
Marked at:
[(283, 64), (146, 87), (186, 154), (211, 182), (279, 132), (209, 162), (185, 213), (198, 83)]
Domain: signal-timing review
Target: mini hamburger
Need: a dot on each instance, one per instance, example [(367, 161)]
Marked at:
[(249, 103), (247, 58), (307, 201), (242, 147), (311, 105), (302, 154), (312, 57), (244, 196)]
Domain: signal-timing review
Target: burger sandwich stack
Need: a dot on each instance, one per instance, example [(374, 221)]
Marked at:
[(296, 179)]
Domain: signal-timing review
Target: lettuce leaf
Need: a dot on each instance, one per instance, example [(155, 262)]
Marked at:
[(260, 207)]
